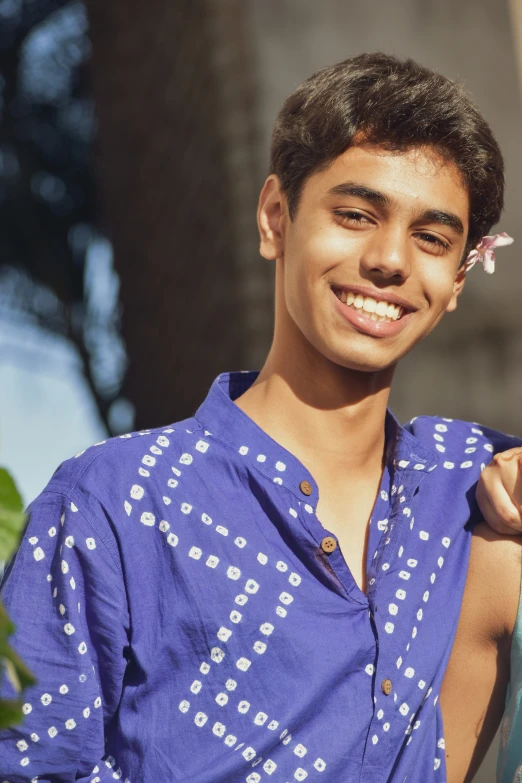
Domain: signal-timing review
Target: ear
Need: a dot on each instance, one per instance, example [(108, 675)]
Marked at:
[(271, 216), (458, 285)]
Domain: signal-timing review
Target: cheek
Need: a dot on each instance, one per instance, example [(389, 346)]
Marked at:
[(313, 251), (305, 260), (438, 287), (309, 258), (300, 261)]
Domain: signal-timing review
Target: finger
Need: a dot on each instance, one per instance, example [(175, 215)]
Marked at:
[(495, 500), (517, 490), (508, 465), (509, 454), (491, 516)]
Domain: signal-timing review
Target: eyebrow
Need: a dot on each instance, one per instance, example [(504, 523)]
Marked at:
[(444, 218), (360, 191), (382, 200)]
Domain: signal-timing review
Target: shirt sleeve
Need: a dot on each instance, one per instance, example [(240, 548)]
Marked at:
[(65, 593)]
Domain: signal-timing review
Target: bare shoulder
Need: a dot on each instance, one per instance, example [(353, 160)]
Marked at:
[(493, 582)]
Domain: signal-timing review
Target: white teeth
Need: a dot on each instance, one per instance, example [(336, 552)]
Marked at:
[(376, 310)]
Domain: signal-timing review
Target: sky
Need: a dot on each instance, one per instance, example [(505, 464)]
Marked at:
[(46, 411)]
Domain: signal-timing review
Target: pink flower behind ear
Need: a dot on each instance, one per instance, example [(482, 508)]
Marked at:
[(484, 252)]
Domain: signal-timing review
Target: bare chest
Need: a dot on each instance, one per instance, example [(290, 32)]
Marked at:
[(347, 516)]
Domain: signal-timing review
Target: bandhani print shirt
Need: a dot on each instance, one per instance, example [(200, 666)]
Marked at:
[(189, 619)]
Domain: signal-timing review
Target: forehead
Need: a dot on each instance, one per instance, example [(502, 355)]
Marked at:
[(418, 178)]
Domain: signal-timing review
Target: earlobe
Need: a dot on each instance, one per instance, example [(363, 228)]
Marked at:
[(270, 219), (458, 286)]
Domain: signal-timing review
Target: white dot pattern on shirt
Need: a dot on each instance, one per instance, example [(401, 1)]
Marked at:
[(251, 587), (406, 575), (69, 629), (138, 494)]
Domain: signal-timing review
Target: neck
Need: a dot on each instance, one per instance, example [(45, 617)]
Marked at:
[(329, 417)]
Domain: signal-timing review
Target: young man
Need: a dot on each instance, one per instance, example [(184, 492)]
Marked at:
[(270, 590)]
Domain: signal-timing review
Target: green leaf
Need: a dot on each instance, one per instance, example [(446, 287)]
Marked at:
[(16, 672), (12, 520), (10, 713), (12, 517)]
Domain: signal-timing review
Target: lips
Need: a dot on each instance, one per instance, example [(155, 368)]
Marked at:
[(379, 315), (377, 310)]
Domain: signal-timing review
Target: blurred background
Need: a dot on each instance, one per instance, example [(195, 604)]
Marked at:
[(133, 142)]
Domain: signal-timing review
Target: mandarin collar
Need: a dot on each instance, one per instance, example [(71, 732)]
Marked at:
[(407, 458)]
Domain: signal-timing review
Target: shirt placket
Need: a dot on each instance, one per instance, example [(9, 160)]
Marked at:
[(389, 727), (327, 545)]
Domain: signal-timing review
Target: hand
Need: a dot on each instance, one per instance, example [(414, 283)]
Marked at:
[(499, 492)]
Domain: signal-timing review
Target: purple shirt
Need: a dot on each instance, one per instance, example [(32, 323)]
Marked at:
[(186, 621)]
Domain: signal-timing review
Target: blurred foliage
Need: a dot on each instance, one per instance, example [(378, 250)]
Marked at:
[(49, 236), (16, 672), (12, 516), (12, 520)]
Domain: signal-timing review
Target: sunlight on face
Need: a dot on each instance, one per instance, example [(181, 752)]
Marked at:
[(368, 266)]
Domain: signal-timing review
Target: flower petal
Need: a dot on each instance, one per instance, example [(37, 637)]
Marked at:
[(471, 260), (485, 251), (488, 261), (498, 240)]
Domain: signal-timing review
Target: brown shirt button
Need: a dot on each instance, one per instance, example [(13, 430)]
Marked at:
[(386, 687), (306, 488), (328, 544)]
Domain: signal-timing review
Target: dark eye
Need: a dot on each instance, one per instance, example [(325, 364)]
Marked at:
[(432, 242), (352, 217)]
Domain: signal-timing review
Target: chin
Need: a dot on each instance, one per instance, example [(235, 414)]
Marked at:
[(359, 361), (361, 358), (365, 365), (357, 352), (367, 354)]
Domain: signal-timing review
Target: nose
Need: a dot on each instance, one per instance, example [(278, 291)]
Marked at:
[(387, 255)]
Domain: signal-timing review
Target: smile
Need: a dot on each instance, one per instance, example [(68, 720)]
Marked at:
[(375, 310), (374, 316)]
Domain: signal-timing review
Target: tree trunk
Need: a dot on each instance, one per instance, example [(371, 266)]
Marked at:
[(176, 156)]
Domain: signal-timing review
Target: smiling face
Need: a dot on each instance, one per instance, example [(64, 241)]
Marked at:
[(370, 262)]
